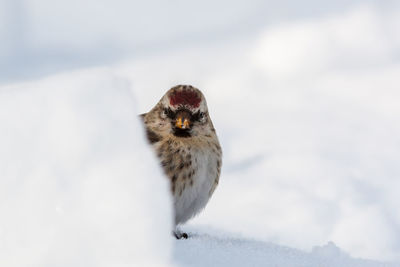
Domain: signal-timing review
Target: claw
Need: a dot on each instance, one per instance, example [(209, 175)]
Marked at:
[(185, 235), (180, 235)]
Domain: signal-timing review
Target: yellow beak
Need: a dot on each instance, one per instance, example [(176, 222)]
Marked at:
[(182, 123)]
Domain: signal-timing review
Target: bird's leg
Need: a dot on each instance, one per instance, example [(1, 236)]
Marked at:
[(179, 235)]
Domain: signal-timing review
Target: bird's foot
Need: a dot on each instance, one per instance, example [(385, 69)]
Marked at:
[(179, 235)]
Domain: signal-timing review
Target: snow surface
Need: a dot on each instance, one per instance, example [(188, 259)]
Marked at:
[(78, 181), (210, 248)]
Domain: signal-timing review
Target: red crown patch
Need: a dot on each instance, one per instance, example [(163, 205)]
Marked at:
[(185, 97)]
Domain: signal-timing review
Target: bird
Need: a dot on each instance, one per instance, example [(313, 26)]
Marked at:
[(181, 133)]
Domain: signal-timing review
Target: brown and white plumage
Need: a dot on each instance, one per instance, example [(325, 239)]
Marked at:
[(180, 130)]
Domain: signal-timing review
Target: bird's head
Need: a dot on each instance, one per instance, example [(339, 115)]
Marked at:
[(183, 112)]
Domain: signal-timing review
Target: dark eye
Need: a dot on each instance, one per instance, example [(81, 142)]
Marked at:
[(168, 113), (165, 112), (201, 117)]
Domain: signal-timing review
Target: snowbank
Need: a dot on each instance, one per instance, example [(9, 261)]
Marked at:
[(79, 186)]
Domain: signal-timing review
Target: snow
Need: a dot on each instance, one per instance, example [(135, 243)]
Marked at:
[(306, 111), (224, 250), (77, 178)]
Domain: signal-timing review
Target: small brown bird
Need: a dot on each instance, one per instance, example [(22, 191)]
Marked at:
[(180, 130)]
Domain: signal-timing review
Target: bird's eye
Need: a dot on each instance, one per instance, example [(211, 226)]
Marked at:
[(201, 117), (165, 112), (168, 113)]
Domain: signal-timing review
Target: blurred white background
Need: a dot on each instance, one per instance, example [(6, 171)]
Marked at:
[(39, 37), (304, 95)]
